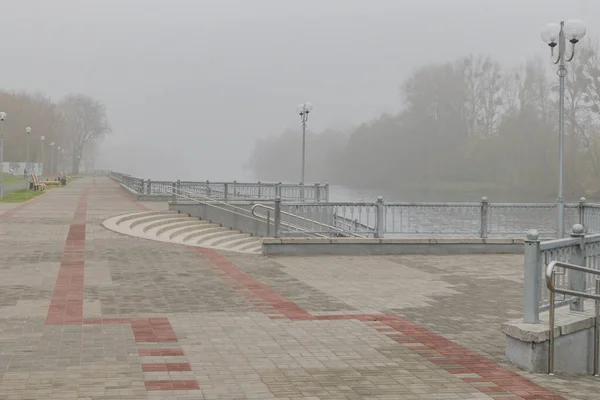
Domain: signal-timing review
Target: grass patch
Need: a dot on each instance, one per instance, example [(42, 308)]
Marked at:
[(20, 196), (13, 179)]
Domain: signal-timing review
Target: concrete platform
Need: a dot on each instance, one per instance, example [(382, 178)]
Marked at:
[(87, 313)]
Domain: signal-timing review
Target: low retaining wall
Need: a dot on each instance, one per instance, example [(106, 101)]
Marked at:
[(352, 246), (527, 344)]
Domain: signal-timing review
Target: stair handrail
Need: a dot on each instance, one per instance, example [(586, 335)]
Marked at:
[(330, 227), (245, 212), (550, 278)]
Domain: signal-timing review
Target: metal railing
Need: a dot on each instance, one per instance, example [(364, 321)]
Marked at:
[(380, 219), (575, 290), (232, 209), (579, 249), (228, 190), (294, 223)]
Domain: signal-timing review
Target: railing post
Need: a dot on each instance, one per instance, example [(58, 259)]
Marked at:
[(277, 216), (208, 191), (234, 191), (581, 210), (577, 278), (484, 217), (380, 221), (316, 192), (225, 190), (268, 223), (326, 192), (259, 191), (149, 187), (174, 190), (532, 279), (278, 190), (141, 189)]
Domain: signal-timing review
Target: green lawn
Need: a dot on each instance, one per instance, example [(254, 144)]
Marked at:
[(12, 179), (20, 196)]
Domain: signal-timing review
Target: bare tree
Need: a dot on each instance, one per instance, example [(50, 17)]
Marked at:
[(86, 120)]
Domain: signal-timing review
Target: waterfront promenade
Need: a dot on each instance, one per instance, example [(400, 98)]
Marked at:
[(86, 313)]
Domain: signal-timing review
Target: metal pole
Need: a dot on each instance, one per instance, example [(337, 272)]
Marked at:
[(51, 159), (597, 330), (551, 333), (304, 117), (562, 72), (27, 163), (42, 166), (2, 159)]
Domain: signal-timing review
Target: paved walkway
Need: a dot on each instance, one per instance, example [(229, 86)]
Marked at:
[(88, 314)]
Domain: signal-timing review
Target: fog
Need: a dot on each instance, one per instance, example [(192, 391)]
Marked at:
[(191, 85)]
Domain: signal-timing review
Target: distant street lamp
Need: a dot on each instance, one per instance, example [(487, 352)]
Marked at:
[(51, 157), (557, 35), (42, 138), (2, 118), (27, 168), (304, 109), (58, 151)]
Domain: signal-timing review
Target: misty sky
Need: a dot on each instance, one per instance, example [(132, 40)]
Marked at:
[(190, 85)]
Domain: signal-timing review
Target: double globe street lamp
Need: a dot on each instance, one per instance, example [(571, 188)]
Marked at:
[(557, 35)]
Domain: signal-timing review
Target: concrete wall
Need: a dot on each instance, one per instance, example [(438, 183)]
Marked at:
[(527, 345), (227, 215), (350, 246)]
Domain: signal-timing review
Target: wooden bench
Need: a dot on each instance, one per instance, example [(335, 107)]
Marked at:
[(37, 185), (52, 183)]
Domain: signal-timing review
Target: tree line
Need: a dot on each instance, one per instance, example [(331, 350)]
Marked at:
[(77, 123), (466, 128)]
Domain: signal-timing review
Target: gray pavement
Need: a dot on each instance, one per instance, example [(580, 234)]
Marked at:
[(86, 313)]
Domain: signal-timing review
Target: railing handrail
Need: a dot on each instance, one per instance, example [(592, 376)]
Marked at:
[(330, 227), (255, 217), (550, 274)]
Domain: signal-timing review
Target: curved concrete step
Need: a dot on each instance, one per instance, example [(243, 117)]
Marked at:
[(153, 218), (200, 228), (168, 221), (178, 225), (172, 227)]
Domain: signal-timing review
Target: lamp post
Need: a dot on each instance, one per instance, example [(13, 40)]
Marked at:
[(2, 118), (557, 35), (58, 151), (51, 157), (28, 133), (304, 109), (43, 139)]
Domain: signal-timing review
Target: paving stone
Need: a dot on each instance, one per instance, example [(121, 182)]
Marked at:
[(86, 313)]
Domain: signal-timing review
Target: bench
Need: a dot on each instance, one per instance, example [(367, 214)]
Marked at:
[(37, 185), (52, 183)]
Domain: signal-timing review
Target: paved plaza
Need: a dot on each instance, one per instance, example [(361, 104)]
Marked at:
[(86, 313)]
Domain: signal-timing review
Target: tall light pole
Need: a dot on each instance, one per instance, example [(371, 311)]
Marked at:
[(42, 138), (51, 157), (557, 35), (2, 118), (28, 133), (58, 151), (304, 109)]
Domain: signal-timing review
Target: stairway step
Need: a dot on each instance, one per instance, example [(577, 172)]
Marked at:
[(177, 225), (193, 228), (206, 232), (243, 242), (153, 218), (205, 240), (235, 236), (167, 222)]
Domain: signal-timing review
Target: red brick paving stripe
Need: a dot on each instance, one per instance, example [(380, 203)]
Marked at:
[(160, 352), (472, 362), (66, 303), (153, 330), (265, 293), (166, 367), (172, 385)]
